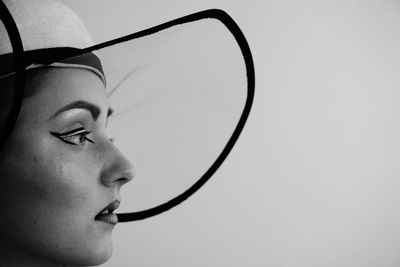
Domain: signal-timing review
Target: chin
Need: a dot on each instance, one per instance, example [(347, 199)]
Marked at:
[(104, 255), (99, 258), (90, 254), (100, 253)]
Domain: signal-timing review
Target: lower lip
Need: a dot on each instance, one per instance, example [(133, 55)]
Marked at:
[(108, 218)]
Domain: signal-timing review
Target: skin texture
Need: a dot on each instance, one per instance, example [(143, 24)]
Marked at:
[(50, 191)]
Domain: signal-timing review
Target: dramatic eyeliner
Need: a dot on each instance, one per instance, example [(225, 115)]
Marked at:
[(74, 137)]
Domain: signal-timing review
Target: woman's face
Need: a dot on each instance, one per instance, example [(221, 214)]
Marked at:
[(59, 170)]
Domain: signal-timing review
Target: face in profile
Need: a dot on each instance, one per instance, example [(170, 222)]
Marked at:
[(59, 171)]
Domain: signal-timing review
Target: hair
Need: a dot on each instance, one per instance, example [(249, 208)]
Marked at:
[(7, 90)]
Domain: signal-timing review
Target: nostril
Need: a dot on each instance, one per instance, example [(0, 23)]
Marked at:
[(122, 180), (127, 177)]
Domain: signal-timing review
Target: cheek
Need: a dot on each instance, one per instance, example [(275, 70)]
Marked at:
[(48, 175), (47, 197)]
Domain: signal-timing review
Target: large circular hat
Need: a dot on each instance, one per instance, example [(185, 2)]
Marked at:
[(181, 91)]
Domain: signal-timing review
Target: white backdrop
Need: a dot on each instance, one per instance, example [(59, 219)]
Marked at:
[(314, 179)]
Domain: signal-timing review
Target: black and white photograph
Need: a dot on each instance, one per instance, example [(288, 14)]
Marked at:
[(199, 133)]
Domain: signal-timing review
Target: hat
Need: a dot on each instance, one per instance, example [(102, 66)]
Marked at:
[(181, 91), (49, 28)]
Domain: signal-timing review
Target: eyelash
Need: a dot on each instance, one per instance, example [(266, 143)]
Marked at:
[(74, 137)]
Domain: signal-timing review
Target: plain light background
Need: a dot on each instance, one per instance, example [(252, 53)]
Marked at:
[(314, 179)]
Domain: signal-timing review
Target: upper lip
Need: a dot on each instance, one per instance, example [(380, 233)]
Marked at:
[(111, 207)]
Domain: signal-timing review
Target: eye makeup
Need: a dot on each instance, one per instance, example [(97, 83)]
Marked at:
[(74, 137)]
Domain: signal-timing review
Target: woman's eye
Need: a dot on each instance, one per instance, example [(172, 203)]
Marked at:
[(74, 137)]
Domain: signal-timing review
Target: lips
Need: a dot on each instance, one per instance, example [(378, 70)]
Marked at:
[(106, 215)]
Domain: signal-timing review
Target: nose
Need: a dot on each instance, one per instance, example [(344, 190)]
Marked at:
[(117, 168)]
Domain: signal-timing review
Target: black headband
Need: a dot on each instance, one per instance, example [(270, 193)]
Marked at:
[(45, 57)]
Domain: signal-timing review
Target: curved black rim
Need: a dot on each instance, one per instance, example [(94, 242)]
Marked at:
[(245, 49), (19, 66)]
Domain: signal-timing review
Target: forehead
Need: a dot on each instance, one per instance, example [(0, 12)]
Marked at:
[(49, 89)]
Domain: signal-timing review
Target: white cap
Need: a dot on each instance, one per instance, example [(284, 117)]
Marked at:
[(46, 24)]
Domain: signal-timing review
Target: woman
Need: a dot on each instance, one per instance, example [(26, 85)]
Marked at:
[(60, 173), (59, 170)]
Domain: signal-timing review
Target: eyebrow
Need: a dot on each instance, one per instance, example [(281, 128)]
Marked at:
[(92, 108)]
